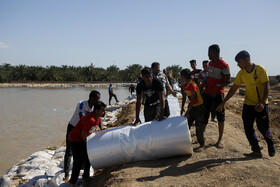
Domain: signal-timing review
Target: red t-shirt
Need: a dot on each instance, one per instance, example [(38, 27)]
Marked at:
[(85, 124), (216, 73)]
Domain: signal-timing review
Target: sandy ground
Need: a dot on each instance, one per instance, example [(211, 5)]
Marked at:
[(212, 166)]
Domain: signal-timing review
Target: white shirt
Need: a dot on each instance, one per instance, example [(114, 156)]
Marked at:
[(81, 108)]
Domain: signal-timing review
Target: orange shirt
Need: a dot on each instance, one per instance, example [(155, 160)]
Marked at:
[(85, 124), (189, 89)]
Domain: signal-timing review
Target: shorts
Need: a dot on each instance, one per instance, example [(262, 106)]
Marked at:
[(213, 101)]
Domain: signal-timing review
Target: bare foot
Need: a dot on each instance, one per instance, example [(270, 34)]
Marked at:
[(220, 144), (66, 178)]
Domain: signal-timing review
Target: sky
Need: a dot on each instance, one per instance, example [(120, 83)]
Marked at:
[(125, 32)]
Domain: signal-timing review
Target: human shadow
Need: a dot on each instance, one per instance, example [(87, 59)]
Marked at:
[(162, 162), (174, 170)]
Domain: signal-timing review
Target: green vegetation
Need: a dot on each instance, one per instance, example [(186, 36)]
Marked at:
[(64, 73)]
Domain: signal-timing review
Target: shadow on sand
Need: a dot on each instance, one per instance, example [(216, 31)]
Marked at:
[(174, 170)]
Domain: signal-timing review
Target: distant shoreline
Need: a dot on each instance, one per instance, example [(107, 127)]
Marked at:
[(59, 85)]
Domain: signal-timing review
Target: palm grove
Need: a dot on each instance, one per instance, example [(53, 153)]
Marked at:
[(64, 73)]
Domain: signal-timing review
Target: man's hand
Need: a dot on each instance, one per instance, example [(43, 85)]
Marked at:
[(137, 120), (187, 115), (182, 111), (84, 136), (259, 107), (174, 93), (160, 118), (220, 107)]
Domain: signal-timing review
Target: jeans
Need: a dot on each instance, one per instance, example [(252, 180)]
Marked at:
[(249, 115), (110, 98)]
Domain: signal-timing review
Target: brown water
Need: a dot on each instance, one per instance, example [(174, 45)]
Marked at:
[(32, 119)]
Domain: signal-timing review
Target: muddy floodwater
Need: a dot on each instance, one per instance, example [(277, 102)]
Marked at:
[(32, 119)]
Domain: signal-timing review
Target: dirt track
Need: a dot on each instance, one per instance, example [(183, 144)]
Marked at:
[(212, 166)]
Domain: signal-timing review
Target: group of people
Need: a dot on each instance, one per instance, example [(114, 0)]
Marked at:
[(85, 120), (205, 90)]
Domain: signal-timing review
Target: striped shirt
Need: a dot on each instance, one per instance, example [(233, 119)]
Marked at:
[(216, 76)]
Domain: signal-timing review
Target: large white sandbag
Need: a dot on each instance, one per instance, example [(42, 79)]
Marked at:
[(176, 87), (151, 140)]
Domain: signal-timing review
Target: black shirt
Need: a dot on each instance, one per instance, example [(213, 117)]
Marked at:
[(152, 96)]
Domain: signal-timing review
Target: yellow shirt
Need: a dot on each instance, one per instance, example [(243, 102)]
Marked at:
[(189, 89), (253, 82)]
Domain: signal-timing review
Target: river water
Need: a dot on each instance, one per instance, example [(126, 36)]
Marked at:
[(32, 119)]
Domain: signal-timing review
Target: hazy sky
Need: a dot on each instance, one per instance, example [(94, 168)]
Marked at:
[(124, 32)]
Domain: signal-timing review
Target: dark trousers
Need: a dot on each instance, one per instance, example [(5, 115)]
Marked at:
[(110, 98), (80, 157), (249, 115), (196, 115), (151, 112), (166, 109), (68, 151)]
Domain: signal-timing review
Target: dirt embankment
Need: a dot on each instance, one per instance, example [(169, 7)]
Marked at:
[(212, 166)]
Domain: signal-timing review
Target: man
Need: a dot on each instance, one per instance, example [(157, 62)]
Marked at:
[(78, 138), (195, 107), (111, 94), (168, 77), (218, 78), (83, 107), (139, 78), (195, 72), (256, 102), (166, 86), (131, 89), (202, 79), (203, 75), (154, 94)]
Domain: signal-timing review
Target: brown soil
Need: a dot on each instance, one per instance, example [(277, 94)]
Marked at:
[(126, 116), (212, 166)]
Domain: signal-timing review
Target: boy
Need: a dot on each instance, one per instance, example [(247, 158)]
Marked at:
[(195, 107), (78, 138), (256, 102), (195, 72)]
